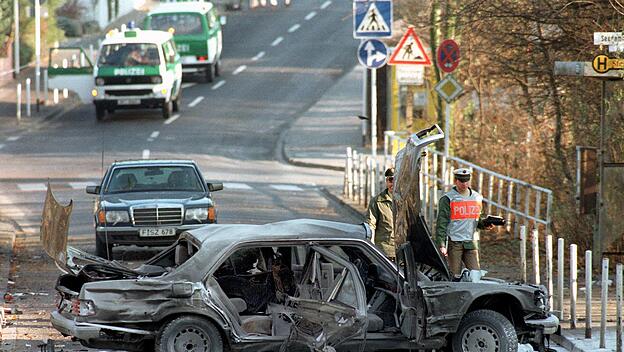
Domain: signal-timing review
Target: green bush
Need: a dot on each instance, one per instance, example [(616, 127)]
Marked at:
[(71, 27), (27, 53)]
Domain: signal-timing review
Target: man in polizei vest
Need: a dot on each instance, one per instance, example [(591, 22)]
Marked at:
[(380, 218), (459, 218)]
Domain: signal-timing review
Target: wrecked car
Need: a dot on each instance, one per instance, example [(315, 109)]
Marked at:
[(312, 284)]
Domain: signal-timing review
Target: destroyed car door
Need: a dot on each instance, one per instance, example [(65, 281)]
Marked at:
[(71, 68), (329, 306)]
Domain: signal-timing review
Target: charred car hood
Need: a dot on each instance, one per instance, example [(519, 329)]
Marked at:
[(53, 237)]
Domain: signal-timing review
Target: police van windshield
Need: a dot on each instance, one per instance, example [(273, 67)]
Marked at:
[(182, 23), (129, 54)]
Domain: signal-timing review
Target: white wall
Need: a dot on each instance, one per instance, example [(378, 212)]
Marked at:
[(98, 9)]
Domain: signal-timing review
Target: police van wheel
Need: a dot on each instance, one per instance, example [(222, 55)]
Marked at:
[(100, 112), (210, 73), (167, 109), (176, 102), (217, 69)]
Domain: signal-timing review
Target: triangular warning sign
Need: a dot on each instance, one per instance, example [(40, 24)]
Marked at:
[(373, 21), (409, 51)]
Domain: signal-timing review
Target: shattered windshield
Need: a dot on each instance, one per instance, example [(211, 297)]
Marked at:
[(128, 55)]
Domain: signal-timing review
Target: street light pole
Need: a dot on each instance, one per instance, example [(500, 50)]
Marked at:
[(37, 51), (374, 113), (16, 44)]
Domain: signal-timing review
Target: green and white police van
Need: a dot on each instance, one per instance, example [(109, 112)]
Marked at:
[(196, 28), (134, 69)]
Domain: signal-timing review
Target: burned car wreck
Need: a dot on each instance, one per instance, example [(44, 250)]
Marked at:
[(310, 284)]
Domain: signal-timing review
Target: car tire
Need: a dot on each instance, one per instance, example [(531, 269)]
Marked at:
[(100, 112), (217, 69), (177, 101), (167, 109), (180, 332), (489, 330), (210, 73), (103, 249)]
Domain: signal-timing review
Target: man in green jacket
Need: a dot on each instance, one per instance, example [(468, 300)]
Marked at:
[(459, 218), (380, 218)]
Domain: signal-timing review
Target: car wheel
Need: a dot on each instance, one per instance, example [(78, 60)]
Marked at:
[(210, 73), (189, 333), (486, 331), (177, 101), (217, 69), (167, 109), (100, 112), (103, 249)]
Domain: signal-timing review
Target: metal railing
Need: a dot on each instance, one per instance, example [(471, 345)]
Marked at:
[(519, 202)]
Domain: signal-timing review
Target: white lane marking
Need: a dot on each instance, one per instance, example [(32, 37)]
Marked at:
[(81, 185), (239, 69), (258, 56), (31, 187), (171, 119), (1, 146), (195, 102), (325, 4), (188, 85), (294, 28), (155, 134), (13, 138), (310, 15), (146, 153), (218, 85), (286, 188), (277, 41), (234, 185)]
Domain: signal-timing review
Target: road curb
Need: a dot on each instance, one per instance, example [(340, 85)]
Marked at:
[(7, 239), (564, 342), (341, 201), (296, 162)]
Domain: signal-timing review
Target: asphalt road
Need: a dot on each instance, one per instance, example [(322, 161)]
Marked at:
[(276, 63)]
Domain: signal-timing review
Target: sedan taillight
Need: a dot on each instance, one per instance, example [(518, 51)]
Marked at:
[(83, 307)]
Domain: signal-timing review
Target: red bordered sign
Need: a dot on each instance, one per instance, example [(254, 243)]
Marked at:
[(410, 51), (448, 55)]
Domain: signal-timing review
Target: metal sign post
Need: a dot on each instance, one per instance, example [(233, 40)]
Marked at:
[(372, 53), (37, 51), (16, 46)]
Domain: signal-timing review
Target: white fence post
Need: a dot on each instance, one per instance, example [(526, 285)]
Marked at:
[(65, 93), (573, 285), (55, 96), (603, 301), (549, 268), (28, 97), (536, 264), (588, 294), (18, 107), (618, 302), (347, 175), (560, 274), (523, 256)]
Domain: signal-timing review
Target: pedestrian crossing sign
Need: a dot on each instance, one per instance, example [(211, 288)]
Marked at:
[(410, 51), (372, 19)]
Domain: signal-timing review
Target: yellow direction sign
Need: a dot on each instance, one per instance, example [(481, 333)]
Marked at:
[(449, 88), (602, 64)]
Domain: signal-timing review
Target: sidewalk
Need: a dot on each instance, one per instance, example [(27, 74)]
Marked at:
[(320, 137)]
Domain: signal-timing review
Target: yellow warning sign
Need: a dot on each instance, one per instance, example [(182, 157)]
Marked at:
[(602, 64)]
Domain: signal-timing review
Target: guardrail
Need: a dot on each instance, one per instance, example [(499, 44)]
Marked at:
[(519, 202)]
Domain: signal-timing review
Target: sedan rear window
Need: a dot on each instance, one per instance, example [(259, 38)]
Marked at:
[(154, 178)]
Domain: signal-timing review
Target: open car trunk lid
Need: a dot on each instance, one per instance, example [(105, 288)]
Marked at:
[(409, 224), (53, 237)]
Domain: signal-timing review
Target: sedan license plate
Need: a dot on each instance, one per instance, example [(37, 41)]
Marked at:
[(129, 101), (156, 232)]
